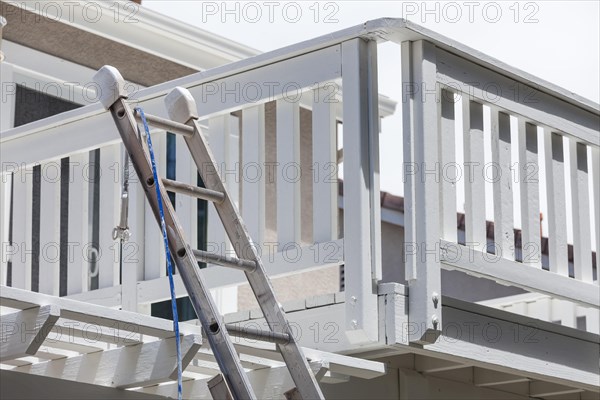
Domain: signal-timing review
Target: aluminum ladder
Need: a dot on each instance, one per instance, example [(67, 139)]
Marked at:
[(183, 115)]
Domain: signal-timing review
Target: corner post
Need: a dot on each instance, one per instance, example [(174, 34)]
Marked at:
[(362, 241), (421, 110)]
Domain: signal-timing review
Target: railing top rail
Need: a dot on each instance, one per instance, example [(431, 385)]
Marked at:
[(383, 29)]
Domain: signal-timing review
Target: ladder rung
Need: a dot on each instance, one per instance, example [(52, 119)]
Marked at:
[(194, 191), (166, 124), (257, 334), (244, 265)]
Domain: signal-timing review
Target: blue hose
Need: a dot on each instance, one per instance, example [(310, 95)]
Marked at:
[(166, 243)]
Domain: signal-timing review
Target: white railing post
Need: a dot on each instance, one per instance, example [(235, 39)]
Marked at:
[(361, 169), (421, 189)]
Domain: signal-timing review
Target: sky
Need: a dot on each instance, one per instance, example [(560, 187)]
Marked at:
[(555, 40)]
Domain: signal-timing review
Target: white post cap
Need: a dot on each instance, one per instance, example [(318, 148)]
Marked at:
[(111, 85), (181, 105)]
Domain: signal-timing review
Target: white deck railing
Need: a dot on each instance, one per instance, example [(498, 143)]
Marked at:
[(334, 77)]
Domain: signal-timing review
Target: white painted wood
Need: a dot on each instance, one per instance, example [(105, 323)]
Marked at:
[(325, 167), (186, 206), (49, 260), (94, 314), (110, 194), (5, 203), (475, 229), (516, 97), (22, 207), (254, 172), (408, 150), (424, 132), (558, 257), (291, 261), (563, 311), (504, 237), (78, 226), (486, 377), (132, 251), (76, 131), (108, 297), (429, 365), (596, 189), (374, 126), (549, 352), (289, 173), (23, 332), (544, 389), (359, 176), (530, 196), (124, 367), (450, 172), (268, 383), (582, 252), (218, 139), (7, 106), (155, 260), (478, 263)]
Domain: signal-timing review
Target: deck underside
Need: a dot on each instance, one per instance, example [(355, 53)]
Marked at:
[(484, 351)]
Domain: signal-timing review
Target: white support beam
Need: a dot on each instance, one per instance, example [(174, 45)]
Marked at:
[(546, 389), (430, 365), (268, 383), (421, 135), (474, 262), (23, 332), (94, 314), (361, 170), (486, 377), (125, 367)]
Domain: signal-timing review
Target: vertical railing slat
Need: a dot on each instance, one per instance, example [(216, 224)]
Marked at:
[(218, 139), (288, 172), (530, 197), (5, 193), (22, 214), (254, 172), (422, 134), (324, 151), (155, 260), (448, 168), (132, 251), (504, 238), (78, 227), (186, 206), (558, 258), (475, 228), (110, 193), (49, 228), (582, 252), (596, 189)]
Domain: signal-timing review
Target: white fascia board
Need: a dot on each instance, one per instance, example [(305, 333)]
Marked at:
[(138, 27)]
